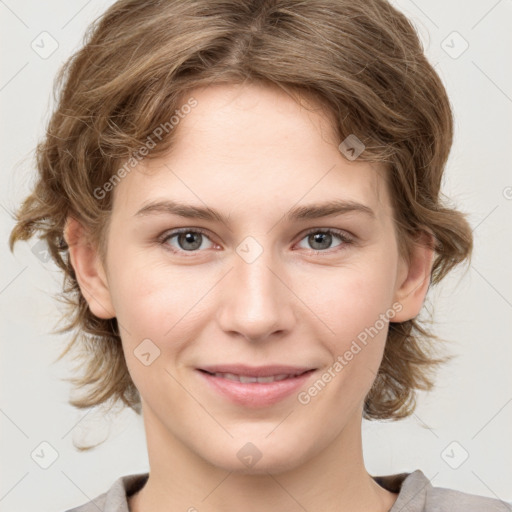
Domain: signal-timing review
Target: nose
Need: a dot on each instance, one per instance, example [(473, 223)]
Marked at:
[(256, 300)]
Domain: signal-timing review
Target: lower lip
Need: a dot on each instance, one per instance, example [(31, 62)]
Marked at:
[(255, 394)]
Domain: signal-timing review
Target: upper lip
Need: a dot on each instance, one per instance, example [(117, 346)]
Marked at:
[(256, 371)]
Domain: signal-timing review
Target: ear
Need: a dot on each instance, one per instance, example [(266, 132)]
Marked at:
[(89, 270), (414, 278)]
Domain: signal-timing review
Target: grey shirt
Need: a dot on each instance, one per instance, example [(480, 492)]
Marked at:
[(415, 494)]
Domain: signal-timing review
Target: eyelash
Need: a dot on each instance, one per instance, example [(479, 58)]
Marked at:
[(345, 239)]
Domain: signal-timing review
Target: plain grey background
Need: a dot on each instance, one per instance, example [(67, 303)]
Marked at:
[(459, 435)]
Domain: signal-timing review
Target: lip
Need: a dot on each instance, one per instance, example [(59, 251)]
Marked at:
[(256, 371), (255, 394)]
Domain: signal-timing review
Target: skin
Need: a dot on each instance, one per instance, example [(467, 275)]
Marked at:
[(253, 153)]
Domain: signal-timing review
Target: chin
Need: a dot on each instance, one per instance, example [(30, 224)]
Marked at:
[(249, 459)]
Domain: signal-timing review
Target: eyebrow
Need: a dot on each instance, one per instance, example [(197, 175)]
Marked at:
[(313, 211)]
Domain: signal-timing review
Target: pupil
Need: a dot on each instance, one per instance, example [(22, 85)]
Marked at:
[(188, 238), (324, 239)]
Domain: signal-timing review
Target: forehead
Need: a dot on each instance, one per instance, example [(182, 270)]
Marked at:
[(252, 148)]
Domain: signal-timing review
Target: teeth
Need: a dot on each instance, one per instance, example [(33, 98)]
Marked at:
[(266, 379), (230, 376), (282, 377), (245, 379)]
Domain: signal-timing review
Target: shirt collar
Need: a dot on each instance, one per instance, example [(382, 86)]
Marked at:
[(412, 489)]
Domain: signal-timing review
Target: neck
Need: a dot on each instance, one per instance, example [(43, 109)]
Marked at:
[(334, 480)]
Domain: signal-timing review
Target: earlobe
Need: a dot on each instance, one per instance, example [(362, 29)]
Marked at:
[(89, 270), (414, 278)]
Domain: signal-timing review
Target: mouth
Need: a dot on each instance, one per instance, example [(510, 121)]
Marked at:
[(248, 379), (255, 386)]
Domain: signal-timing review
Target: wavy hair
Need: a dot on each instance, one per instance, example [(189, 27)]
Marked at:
[(361, 60)]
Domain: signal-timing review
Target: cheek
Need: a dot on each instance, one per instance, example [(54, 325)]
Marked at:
[(352, 298), (155, 312), (355, 303), (159, 301), (356, 307)]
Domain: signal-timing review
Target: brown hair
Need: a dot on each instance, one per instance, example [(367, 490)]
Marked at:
[(362, 60)]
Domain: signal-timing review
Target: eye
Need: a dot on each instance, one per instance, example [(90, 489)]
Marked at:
[(321, 239), (191, 240), (185, 240)]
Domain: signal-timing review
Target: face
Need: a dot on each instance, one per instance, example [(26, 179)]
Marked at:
[(260, 327)]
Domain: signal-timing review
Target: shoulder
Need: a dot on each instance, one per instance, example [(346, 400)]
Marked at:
[(115, 499), (418, 488), (440, 499), (417, 494)]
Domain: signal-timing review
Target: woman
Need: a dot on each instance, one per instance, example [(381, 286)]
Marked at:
[(245, 200)]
